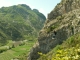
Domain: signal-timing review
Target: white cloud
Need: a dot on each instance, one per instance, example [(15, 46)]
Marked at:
[(41, 10), (32, 6), (5, 3), (21, 2)]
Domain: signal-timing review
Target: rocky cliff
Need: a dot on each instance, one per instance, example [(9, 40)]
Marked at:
[(64, 7), (62, 22)]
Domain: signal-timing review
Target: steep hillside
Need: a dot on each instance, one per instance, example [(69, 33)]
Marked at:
[(19, 22), (62, 22), (68, 50)]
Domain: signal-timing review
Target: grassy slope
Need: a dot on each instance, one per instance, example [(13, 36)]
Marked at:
[(18, 22), (17, 52), (68, 50)]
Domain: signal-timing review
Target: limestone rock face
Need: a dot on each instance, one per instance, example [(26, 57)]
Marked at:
[(64, 7), (33, 55), (62, 22)]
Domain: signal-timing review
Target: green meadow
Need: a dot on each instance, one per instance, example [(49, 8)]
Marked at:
[(17, 52)]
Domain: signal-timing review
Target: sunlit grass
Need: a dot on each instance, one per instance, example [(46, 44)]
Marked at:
[(17, 51)]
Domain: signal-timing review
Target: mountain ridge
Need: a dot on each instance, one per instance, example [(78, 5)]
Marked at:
[(19, 22)]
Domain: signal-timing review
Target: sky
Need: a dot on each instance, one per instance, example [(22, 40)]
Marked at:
[(44, 6)]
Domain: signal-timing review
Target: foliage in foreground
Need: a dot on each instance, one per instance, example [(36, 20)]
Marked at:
[(69, 50)]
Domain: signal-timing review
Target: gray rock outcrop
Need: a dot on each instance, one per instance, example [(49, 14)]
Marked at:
[(62, 22)]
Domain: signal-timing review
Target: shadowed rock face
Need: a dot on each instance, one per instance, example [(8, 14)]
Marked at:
[(64, 20)]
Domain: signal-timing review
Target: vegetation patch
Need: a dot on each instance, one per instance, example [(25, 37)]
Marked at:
[(69, 50), (51, 28), (17, 52)]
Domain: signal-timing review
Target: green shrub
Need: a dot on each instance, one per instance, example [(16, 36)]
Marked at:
[(57, 48), (3, 49), (51, 28)]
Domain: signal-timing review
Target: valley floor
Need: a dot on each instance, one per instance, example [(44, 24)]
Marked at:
[(17, 52)]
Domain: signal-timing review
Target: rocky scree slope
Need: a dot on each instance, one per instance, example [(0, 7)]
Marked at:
[(62, 22)]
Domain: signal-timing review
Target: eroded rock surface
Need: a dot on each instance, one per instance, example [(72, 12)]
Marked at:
[(62, 22)]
